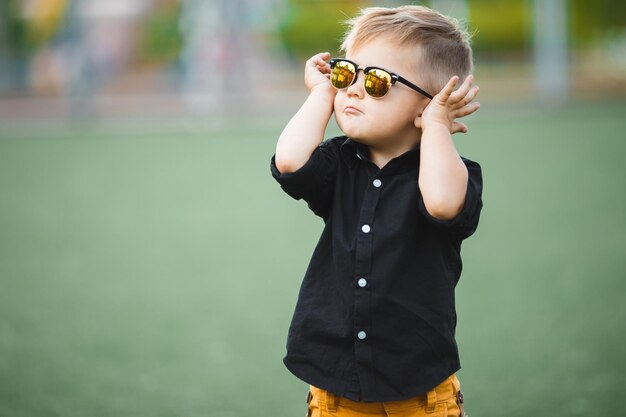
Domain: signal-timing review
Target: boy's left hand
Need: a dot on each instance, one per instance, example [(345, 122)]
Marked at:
[(449, 105)]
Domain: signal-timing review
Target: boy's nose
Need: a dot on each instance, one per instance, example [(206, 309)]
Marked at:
[(356, 88)]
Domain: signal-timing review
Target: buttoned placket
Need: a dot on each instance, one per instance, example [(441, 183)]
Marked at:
[(363, 281)]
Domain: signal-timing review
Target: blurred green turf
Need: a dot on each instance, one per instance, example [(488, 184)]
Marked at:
[(153, 272)]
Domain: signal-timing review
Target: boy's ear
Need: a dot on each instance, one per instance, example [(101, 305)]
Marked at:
[(418, 121), (418, 114)]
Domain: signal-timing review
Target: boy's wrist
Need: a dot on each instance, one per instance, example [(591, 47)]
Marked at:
[(323, 93), (323, 89), (435, 126)]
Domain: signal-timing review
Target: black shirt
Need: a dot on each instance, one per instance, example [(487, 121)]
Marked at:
[(375, 317)]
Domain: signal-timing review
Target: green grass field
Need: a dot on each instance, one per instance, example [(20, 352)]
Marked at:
[(152, 270)]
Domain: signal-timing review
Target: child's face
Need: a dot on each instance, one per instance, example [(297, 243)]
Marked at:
[(389, 120)]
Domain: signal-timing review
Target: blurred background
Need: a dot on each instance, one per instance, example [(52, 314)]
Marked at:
[(149, 264), (169, 58)]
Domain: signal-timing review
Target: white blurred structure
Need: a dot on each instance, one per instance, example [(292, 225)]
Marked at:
[(550, 51), (103, 36), (455, 8), (223, 50)]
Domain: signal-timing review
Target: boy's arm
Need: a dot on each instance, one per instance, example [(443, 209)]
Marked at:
[(305, 131), (443, 176)]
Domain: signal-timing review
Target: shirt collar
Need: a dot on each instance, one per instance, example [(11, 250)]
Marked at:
[(354, 152), (351, 149)]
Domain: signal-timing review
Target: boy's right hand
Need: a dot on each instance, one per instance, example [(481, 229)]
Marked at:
[(317, 72), (305, 131)]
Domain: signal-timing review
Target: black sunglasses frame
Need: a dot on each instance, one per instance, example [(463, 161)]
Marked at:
[(394, 77)]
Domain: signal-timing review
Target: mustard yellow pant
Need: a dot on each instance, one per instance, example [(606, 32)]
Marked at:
[(445, 400)]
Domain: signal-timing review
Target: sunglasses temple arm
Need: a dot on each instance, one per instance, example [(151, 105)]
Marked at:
[(414, 87)]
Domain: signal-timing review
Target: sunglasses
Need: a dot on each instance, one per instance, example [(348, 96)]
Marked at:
[(378, 81)]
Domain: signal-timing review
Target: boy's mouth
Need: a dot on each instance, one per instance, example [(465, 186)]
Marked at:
[(352, 110)]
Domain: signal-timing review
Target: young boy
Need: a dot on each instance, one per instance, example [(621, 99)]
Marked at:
[(373, 329)]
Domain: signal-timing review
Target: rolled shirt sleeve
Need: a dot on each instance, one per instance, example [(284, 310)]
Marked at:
[(314, 181), (465, 223)]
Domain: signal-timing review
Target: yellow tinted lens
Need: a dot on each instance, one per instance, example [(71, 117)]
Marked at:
[(377, 82), (342, 74)]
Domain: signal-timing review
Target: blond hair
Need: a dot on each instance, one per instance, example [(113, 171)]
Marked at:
[(444, 46)]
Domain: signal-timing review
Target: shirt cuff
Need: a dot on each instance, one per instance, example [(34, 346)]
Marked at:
[(466, 221), (295, 183)]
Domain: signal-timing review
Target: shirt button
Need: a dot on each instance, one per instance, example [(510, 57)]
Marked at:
[(361, 335), (377, 183), (366, 228), (362, 282)]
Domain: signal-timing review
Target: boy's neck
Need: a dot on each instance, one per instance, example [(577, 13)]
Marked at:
[(381, 155)]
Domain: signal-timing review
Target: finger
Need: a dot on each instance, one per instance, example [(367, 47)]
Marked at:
[(445, 92), (467, 110), (324, 69), (320, 59), (319, 62), (463, 90), (458, 127), (469, 97)]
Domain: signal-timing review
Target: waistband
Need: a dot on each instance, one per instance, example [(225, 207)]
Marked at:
[(441, 393)]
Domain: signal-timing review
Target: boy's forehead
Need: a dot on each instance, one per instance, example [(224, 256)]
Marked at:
[(384, 52)]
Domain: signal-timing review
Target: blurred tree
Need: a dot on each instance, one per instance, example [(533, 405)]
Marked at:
[(160, 39), (13, 29), (592, 21), (505, 25), (25, 26), (500, 26), (44, 17), (315, 26)]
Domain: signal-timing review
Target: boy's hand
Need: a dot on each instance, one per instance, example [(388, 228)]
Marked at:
[(449, 105), (305, 131), (317, 72)]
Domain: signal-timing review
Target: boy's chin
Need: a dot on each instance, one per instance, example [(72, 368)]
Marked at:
[(357, 135), (366, 140), (360, 140)]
